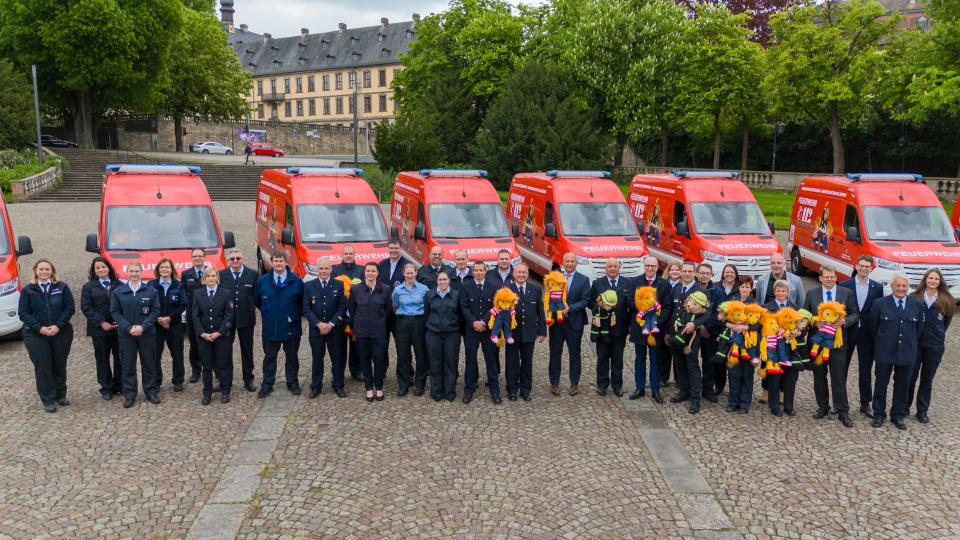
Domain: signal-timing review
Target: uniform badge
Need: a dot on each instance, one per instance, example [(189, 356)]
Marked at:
[(940, 316), (145, 310), (313, 300)]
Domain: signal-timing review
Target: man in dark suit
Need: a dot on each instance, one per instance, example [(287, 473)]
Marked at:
[(325, 307), (427, 274), (348, 267), (390, 273), (242, 280), (896, 321), (610, 351), (476, 299), (686, 366), (461, 270), (642, 350), (531, 329), (192, 279), (826, 292), (865, 291), (570, 332), (502, 275)]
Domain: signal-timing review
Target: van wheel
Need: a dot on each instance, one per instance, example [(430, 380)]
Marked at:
[(796, 266)]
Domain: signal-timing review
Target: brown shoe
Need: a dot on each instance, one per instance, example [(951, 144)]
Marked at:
[(554, 389), (866, 411), (574, 390)]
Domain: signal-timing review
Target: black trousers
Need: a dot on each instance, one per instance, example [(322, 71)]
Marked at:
[(925, 368), (686, 368), (610, 362), (473, 340), (173, 338), (353, 359), (410, 332), (373, 360), (560, 335), (519, 369), (857, 338), (665, 360), (787, 384), (714, 375), (901, 383), (194, 356), (145, 347), (291, 364), (49, 356), (443, 349), (320, 345), (741, 386), (245, 336), (216, 357), (838, 382), (109, 374)]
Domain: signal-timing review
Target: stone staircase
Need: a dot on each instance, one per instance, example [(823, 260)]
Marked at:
[(83, 179)]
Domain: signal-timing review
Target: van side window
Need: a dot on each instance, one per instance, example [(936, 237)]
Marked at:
[(850, 219), (288, 220), (421, 215), (679, 213), (548, 215)]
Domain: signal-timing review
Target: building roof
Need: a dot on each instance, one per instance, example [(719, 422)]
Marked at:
[(339, 49)]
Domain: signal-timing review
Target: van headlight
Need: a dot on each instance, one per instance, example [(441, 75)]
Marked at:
[(583, 260), (310, 269), (515, 261), (711, 256), (9, 287), (449, 263), (888, 265)]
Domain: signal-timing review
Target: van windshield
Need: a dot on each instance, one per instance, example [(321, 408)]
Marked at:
[(468, 220), (328, 223), (146, 228), (728, 218), (4, 241), (596, 219), (907, 223)]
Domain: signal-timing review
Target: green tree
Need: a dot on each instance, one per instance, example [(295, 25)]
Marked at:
[(536, 124), (16, 107), (92, 55), (824, 64), (409, 143), (204, 76)]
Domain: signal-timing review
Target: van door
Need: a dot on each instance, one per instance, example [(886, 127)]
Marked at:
[(851, 247), (419, 250), (681, 243), (291, 251), (550, 246)]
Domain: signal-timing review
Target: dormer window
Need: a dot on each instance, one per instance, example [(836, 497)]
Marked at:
[(409, 33), (302, 61), (384, 53), (356, 56), (331, 58), (323, 44), (354, 41), (277, 64), (381, 36)]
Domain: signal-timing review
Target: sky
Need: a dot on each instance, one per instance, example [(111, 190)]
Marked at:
[(286, 17)]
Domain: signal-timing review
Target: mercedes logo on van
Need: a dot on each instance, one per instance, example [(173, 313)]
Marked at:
[(753, 263)]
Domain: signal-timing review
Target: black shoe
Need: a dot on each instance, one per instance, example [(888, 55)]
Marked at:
[(155, 399), (418, 392), (216, 387), (923, 418), (63, 402), (731, 408), (495, 398), (249, 387), (525, 396), (295, 389), (205, 400), (436, 398), (369, 399), (194, 377), (680, 398), (898, 422), (340, 392), (845, 420), (637, 394), (712, 398), (744, 411), (655, 394), (358, 378), (778, 413), (128, 402), (694, 407), (225, 398), (314, 394), (381, 397), (263, 393), (866, 411), (877, 421), (601, 391), (512, 397), (789, 412), (402, 392), (467, 398), (820, 414), (618, 392), (51, 408), (106, 395), (178, 387)]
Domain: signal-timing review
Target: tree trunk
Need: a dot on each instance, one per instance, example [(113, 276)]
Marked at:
[(82, 110), (664, 141), (716, 140), (178, 132), (618, 156), (836, 139), (745, 146)]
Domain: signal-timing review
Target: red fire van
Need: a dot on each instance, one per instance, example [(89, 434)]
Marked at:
[(10, 284)]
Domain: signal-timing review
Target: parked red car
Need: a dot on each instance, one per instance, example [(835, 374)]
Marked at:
[(267, 150)]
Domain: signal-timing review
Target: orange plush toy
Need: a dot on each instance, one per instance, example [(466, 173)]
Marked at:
[(347, 283), (554, 297), (830, 335), (648, 312)]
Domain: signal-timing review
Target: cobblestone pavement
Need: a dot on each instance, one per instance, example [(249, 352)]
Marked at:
[(557, 467)]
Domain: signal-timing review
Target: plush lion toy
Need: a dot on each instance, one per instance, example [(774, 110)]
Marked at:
[(752, 336), (737, 314), (830, 335), (503, 316), (770, 352), (347, 283), (648, 312), (554, 297)]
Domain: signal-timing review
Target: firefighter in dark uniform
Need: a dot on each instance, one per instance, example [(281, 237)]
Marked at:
[(191, 280), (242, 280), (896, 322), (427, 274), (441, 310), (325, 306), (173, 305), (212, 313), (46, 306), (476, 299), (95, 306), (610, 349), (934, 294), (349, 267), (135, 306)]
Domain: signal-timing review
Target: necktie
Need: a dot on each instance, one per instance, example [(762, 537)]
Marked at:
[(211, 291), (323, 284), (522, 290), (900, 305), (684, 290), (829, 296), (45, 286), (613, 284), (781, 304), (480, 286), (236, 276), (278, 281), (106, 284)]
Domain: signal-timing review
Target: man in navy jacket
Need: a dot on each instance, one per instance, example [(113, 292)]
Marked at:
[(279, 297), (865, 292), (570, 332), (325, 307)]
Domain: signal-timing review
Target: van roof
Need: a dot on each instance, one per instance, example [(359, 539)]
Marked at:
[(878, 189), (317, 184), (576, 186), (448, 185), (153, 185), (707, 186)]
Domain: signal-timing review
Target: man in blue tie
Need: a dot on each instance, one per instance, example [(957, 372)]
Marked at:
[(279, 297)]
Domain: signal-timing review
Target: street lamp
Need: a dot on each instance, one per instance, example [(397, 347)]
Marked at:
[(777, 129), (356, 116)]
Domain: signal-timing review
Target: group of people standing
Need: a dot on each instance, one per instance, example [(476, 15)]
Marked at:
[(353, 311)]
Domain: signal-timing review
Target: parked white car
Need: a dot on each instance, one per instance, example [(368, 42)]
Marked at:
[(211, 147)]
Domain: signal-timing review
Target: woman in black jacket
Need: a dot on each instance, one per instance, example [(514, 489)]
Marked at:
[(46, 306), (368, 306), (95, 306), (940, 306), (441, 309), (170, 322)]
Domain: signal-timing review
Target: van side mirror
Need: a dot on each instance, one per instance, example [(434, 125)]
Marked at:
[(550, 230), (92, 246), (853, 235), (228, 240), (394, 233), (286, 237), (515, 230), (683, 228), (641, 228), (773, 228), (24, 247), (956, 231), (420, 232)]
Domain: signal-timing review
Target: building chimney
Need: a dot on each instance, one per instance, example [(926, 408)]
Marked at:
[(416, 18), (384, 21), (343, 27), (304, 32), (226, 12), (243, 27), (267, 37)]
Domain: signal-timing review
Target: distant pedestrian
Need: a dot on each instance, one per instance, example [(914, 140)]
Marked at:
[(248, 154), (46, 306)]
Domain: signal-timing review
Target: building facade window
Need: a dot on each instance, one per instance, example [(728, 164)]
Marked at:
[(383, 103), (313, 107), (299, 107), (286, 109), (338, 81), (326, 106), (299, 85), (339, 105), (325, 82), (352, 102), (367, 104), (286, 85), (311, 83), (273, 110), (382, 78), (352, 76), (273, 86), (366, 79), (259, 88), (260, 110)]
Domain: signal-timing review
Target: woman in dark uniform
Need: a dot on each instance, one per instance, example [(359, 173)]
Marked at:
[(442, 316), (368, 306), (940, 306), (46, 306), (135, 306), (95, 306), (173, 303), (212, 312)]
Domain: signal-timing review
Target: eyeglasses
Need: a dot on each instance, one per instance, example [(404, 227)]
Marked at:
[(236, 258)]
